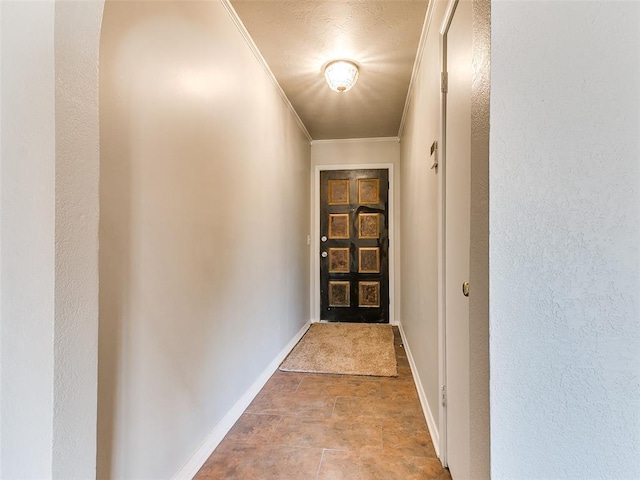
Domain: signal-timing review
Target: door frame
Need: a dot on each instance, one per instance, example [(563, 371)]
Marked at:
[(315, 234), (442, 240)]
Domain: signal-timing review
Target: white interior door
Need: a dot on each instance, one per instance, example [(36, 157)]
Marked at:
[(457, 58)]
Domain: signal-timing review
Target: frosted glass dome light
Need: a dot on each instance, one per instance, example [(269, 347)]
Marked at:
[(341, 75)]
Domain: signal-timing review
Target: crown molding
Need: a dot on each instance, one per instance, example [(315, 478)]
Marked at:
[(245, 34), (416, 64), (355, 140)]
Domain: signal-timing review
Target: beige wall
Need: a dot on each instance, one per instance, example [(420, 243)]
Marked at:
[(419, 200), (77, 38), (420, 224), (357, 152), (49, 225), (479, 408), (204, 217)]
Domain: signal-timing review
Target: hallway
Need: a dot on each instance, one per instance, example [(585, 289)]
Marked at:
[(159, 241), (330, 427)]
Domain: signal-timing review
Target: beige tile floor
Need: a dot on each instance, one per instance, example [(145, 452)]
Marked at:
[(330, 427)]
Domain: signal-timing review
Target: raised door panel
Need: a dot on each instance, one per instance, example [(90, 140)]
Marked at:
[(354, 225)]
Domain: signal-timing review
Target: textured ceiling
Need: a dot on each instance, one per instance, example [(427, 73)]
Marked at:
[(298, 37)]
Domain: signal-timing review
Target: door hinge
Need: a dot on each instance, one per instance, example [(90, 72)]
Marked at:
[(434, 149), (444, 82), (443, 396)]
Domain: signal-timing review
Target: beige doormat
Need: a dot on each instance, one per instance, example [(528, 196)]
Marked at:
[(344, 348)]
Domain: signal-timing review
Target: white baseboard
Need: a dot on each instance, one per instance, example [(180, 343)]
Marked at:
[(431, 423), (188, 471)]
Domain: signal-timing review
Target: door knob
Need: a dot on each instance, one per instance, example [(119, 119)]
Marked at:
[(465, 289), (324, 254), (323, 238)]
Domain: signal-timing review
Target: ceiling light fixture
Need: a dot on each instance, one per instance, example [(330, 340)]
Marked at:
[(341, 75)]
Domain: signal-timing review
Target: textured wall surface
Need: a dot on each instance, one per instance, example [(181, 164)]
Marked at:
[(204, 194), (77, 37), (419, 223), (565, 239), (354, 152), (479, 414), (49, 239)]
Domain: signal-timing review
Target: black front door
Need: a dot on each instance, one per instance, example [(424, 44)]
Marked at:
[(354, 245)]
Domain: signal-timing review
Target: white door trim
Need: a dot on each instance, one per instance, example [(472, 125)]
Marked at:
[(315, 234), (442, 275)]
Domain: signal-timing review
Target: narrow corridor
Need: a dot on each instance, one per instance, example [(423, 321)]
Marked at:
[(330, 427)]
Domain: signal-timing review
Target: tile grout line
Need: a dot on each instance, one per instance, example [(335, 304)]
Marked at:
[(320, 464), (334, 406), (273, 432), (386, 427)]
